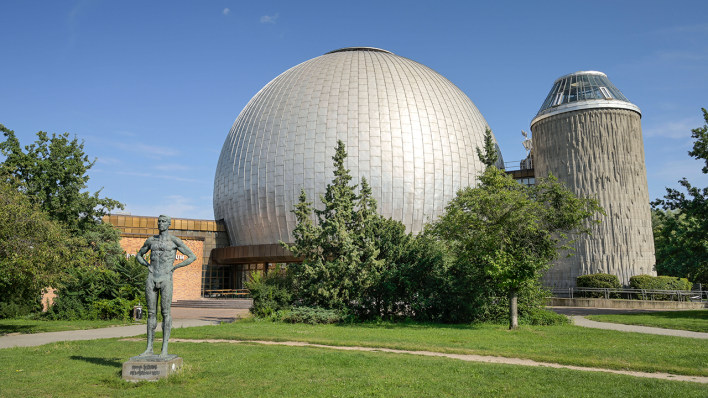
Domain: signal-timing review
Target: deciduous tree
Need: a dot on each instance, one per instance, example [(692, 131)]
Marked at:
[(680, 236), (511, 231), (33, 252), (52, 172)]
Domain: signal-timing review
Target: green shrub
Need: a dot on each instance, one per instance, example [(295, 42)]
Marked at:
[(69, 308), (97, 292), (118, 308), (603, 281), (19, 306), (270, 293), (659, 282), (313, 316), (544, 317)]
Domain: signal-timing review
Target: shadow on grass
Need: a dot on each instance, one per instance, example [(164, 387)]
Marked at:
[(99, 361), (413, 325), (8, 329)]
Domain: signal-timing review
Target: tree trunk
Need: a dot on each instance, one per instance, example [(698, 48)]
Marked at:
[(513, 310)]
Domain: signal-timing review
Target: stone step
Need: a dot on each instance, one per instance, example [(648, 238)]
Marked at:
[(216, 304)]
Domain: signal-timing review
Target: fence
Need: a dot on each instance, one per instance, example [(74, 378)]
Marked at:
[(632, 294), (227, 293)]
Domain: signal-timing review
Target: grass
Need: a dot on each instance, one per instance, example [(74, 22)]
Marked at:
[(8, 326), (92, 368), (569, 345), (695, 320)]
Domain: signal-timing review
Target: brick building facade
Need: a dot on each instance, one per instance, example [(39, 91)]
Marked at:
[(201, 236), (187, 281)]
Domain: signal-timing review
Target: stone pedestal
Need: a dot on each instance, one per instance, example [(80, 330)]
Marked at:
[(150, 368)]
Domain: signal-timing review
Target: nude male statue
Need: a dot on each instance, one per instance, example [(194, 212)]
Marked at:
[(163, 249)]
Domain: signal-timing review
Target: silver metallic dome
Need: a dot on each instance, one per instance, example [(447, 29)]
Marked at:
[(411, 132)]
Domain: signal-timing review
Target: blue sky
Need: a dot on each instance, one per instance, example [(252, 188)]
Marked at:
[(154, 87)]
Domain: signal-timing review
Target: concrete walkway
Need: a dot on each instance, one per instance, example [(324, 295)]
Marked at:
[(584, 322), (36, 339), (583, 311), (579, 313), (227, 315), (463, 357)]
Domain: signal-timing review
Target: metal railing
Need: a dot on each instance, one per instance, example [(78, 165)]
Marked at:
[(632, 294), (524, 164), (227, 293)]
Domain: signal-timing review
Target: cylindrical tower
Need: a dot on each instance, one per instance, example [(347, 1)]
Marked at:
[(589, 136)]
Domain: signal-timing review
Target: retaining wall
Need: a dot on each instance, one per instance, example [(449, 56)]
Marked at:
[(633, 304)]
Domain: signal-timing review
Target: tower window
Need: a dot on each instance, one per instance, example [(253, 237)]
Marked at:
[(605, 93), (558, 100)]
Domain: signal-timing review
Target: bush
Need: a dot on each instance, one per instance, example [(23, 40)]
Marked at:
[(97, 292), (543, 317), (69, 308), (313, 316), (19, 306), (118, 308), (659, 282), (603, 281), (270, 293)]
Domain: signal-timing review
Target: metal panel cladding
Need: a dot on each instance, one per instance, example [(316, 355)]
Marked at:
[(407, 129)]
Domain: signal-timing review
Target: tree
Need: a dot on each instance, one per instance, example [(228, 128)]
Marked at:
[(490, 156), (680, 235), (340, 253), (52, 172), (33, 252), (511, 232)]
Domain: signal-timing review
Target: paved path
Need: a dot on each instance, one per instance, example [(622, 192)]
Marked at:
[(579, 313), (463, 357), (209, 314), (584, 322), (583, 311), (35, 339)]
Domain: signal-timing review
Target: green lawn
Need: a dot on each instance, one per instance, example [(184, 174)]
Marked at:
[(695, 320), (569, 345), (8, 326), (92, 368)]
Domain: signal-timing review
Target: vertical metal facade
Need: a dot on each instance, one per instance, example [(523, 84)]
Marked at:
[(408, 130)]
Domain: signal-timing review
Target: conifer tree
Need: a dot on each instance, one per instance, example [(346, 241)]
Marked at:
[(340, 253), (490, 156)]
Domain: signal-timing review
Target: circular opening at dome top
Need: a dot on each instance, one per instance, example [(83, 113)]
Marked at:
[(359, 49)]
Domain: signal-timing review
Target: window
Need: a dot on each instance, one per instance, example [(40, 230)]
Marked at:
[(558, 100), (605, 93)]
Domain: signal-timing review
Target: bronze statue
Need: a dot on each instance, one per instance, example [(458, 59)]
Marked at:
[(163, 249)]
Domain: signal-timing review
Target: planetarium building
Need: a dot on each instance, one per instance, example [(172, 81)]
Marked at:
[(408, 130), (413, 135)]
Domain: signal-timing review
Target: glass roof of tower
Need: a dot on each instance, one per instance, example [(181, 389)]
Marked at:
[(584, 89), (581, 86)]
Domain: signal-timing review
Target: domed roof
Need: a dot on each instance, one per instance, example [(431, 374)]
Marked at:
[(411, 132), (582, 90)]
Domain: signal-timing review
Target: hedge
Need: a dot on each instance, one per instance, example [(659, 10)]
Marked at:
[(659, 282), (604, 281)]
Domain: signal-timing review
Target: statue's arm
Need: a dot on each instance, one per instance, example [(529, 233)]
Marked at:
[(143, 250), (186, 251)]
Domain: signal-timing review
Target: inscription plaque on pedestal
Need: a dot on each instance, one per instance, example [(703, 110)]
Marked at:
[(150, 368)]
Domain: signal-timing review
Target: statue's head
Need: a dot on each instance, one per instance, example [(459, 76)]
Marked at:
[(164, 222)]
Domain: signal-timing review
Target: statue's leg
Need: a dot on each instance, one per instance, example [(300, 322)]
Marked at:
[(151, 299), (166, 304)]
